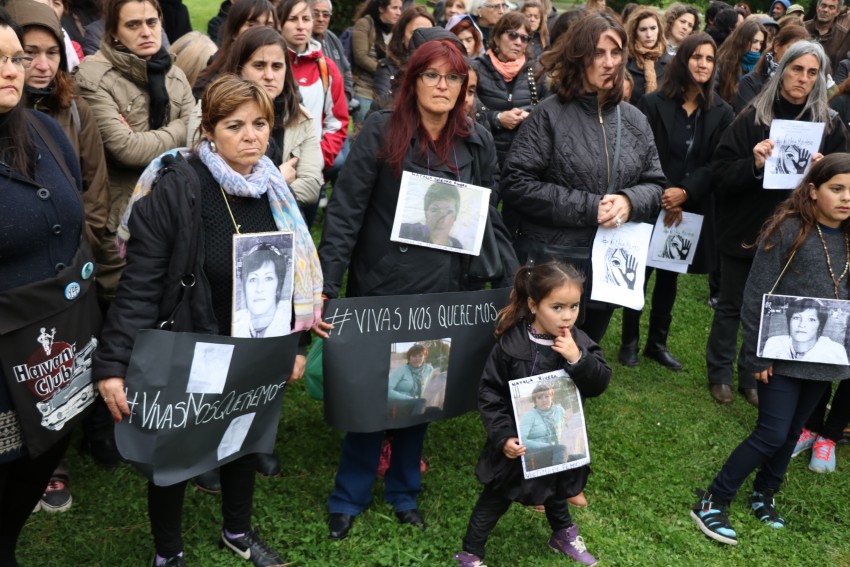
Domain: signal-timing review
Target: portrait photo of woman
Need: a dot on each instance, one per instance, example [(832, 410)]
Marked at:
[(418, 384), (805, 338), (442, 205), (263, 305)]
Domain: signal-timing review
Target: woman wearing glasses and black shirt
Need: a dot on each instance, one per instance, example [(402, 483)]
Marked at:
[(506, 84)]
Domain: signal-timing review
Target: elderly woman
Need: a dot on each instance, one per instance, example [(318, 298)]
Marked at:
[(681, 20), (427, 132), (647, 51), (797, 91), (506, 86), (487, 14), (805, 339), (140, 101), (561, 180), (42, 252), (738, 56), (226, 187)]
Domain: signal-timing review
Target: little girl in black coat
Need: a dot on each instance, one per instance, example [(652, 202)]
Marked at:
[(535, 335)]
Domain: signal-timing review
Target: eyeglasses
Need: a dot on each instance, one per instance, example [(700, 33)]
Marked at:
[(495, 6), (516, 35), (432, 79), (322, 15), (19, 61)]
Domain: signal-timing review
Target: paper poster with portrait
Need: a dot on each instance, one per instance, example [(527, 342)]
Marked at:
[(805, 329), (550, 421), (417, 378), (262, 284), (673, 248), (440, 213), (795, 142), (619, 264)]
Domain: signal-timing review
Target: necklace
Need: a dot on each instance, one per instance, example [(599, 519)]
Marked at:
[(835, 282), (238, 226)]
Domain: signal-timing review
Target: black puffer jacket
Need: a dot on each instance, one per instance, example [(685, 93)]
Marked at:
[(496, 96), (360, 219), (516, 356), (557, 170)]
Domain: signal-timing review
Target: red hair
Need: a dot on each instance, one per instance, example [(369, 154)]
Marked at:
[(406, 120)]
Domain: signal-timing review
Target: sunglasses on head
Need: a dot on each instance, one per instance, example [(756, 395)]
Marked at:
[(513, 35)]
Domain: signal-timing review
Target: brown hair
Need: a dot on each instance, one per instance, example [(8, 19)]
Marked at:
[(543, 30), (511, 21), (729, 57), (466, 25), (192, 52), (397, 50), (635, 18), (226, 94), (111, 10), (786, 36)]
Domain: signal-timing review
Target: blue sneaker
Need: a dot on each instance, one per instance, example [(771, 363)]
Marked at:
[(805, 442), (713, 520), (763, 508), (823, 456)]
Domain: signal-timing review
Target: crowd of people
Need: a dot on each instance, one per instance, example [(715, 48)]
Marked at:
[(116, 119)]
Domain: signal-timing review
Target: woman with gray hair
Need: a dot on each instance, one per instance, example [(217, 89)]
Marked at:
[(797, 91)]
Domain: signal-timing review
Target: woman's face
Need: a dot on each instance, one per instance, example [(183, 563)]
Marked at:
[(242, 138), (266, 19), (454, 7), (490, 12), (267, 67), (471, 89), (45, 51), (261, 289), (439, 99), (647, 32), (391, 13), (600, 74), (413, 25), (757, 43), (799, 78), (440, 216), (804, 327), (467, 38), (543, 400), (416, 360), (682, 28), (11, 75), (701, 63), (832, 200), (512, 44), (533, 15), (298, 27), (139, 28)]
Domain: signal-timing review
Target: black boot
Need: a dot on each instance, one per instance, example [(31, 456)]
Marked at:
[(631, 337), (656, 343)]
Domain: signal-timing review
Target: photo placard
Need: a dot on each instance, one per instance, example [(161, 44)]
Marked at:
[(805, 329)]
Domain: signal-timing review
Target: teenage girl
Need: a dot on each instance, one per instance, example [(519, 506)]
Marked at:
[(807, 238), (535, 335)]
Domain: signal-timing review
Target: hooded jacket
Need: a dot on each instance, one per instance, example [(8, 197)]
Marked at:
[(785, 3), (329, 108), (458, 18)]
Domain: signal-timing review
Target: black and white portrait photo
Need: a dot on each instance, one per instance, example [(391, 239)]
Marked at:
[(804, 329)]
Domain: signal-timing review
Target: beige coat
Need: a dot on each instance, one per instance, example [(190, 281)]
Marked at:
[(114, 83), (363, 52)]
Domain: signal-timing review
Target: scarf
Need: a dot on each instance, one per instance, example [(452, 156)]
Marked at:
[(508, 70), (157, 66), (266, 180), (748, 61), (650, 55), (772, 65)]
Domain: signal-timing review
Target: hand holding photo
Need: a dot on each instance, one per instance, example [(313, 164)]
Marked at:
[(804, 329)]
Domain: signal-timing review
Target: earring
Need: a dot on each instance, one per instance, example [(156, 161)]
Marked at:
[(213, 148)]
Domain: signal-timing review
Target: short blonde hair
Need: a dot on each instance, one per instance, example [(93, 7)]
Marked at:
[(192, 52)]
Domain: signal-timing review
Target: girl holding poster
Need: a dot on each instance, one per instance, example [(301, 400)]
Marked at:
[(803, 249), (536, 334)]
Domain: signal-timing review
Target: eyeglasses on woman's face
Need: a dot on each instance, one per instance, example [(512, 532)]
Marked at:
[(432, 79), (19, 61)]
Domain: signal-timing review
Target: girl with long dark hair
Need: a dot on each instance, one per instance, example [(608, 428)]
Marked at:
[(738, 56)]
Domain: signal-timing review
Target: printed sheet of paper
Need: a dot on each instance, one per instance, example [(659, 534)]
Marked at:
[(673, 248), (795, 144), (550, 422), (440, 213), (619, 264), (803, 329), (209, 368)]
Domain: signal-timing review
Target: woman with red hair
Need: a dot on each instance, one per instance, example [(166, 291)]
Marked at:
[(427, 132)]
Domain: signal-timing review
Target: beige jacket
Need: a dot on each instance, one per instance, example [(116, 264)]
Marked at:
[(363, 52)]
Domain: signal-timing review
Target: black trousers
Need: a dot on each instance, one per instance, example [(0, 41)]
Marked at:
[(492, 505), (22, 484), (597, 316), (165, 505), (832, 426)]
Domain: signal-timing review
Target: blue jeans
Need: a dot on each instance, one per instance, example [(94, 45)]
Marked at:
[(365, 105), (358, 468), (784, 405), (332, 172)]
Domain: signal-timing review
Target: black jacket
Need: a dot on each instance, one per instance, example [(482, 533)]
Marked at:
[(215, 23), (639, 78), (495, 96), (360, 217), (841, 105), (516, 356), (660, 112), (749, 86), (557, 170), (742, 204)]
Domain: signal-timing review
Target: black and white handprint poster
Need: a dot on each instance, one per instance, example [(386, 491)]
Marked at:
[(619, 264), (673, 248), (795, 143)]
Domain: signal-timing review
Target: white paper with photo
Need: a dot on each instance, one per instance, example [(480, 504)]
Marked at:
[(263, 280), (673, 248), (210, 365), (550, 422), (803, 329), (795, 142), (619, 264), (432, 209)]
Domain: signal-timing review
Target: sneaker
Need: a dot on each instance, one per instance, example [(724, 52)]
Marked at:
[(804, 443), (176, 561), (762, 505), (465, 559), (568, 542), (56, 497), (251, 548), (823, 456), (713, 520)]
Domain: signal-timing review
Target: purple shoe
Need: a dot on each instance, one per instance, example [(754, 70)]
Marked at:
[(568, 542), (465, 559)]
